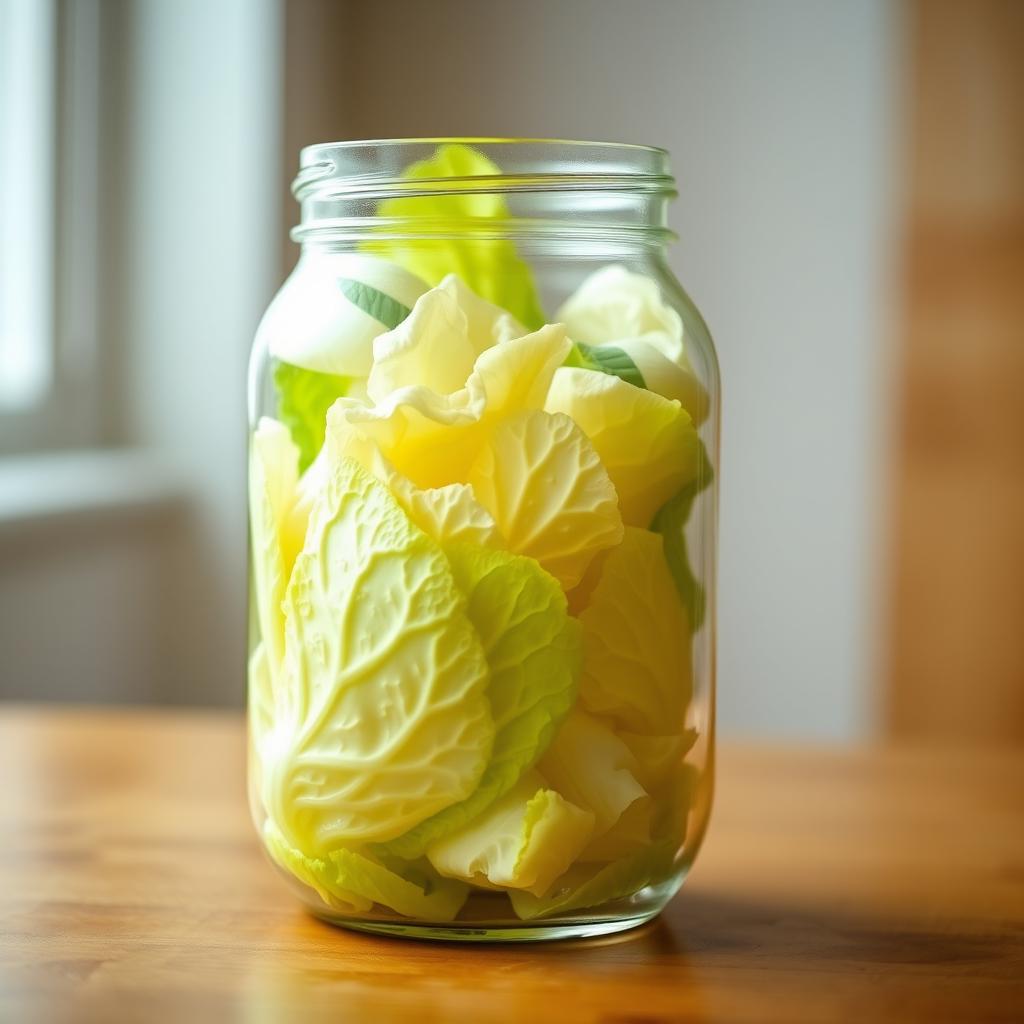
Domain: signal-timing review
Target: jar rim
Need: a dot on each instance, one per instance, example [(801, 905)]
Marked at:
[(475, 140), (556, 188), (376, 168)]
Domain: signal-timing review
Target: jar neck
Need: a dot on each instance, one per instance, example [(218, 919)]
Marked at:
[(540, 195)]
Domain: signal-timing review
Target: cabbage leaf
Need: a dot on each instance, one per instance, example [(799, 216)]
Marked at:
[(670, 522), (541, 479), (276, 533), (433, 437), (385, 720), (637, 667), (589, 885), (606, 359), (490, 266), (534, 654), (351, 882), (524, 840), (589, 765), (303, 398), (647, 443)]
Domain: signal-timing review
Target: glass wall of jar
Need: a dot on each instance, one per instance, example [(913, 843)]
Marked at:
[(484, 426)]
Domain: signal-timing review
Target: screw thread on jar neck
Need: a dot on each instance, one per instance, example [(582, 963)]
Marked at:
[(548, 192)]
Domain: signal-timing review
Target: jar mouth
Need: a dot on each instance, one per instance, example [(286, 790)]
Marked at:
[(377, 168), (544, 187)]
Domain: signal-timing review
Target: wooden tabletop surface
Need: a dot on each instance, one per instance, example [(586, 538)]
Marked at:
[(862, 885)]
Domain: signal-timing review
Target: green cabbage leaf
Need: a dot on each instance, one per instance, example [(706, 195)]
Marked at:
[(670, 522), (534, 656), (490, 266), (303, 398)]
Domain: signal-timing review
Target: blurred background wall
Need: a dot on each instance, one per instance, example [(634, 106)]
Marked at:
[(870, 541)]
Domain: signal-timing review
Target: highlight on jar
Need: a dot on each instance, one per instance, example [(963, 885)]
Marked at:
[(480, 681)]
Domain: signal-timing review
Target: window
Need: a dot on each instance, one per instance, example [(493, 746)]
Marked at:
[(27, 127), (50, 259)]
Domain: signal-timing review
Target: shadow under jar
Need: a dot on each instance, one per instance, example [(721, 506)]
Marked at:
[(484, 421)]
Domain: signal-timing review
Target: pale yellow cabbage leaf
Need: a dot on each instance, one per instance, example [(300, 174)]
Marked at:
[(636, 640), (350, 882), (589, 765), (668, 378), (534, 653), (541, 479), (641, 849), (450, 514), (647, 443), (276, 536), (430, 348), (524, 840), (626, 310), (385, 720), (656, 757), (433, 438), (437, 345), (614, 305), (587, 884), (632, 832)]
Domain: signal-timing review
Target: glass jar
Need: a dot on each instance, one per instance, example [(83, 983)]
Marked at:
[(484, 418)]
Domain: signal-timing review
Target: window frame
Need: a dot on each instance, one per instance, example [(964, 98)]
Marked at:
[(67, 413)]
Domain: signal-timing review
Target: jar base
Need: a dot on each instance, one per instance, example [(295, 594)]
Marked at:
[(469, 932), (485, 919)]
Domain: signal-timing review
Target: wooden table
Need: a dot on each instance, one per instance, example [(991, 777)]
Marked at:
[(862, 885)]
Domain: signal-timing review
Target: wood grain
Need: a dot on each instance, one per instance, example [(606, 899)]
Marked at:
[(957, 667), (868, 885)]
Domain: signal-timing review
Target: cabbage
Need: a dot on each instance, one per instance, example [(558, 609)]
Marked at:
[(303, 398), (623, 312), (631, 833), (351, 882), (524, 840), (385, 719), (592, 767), (329, 311), (656, 757), (606, 359), (636, 862), (665, 377), (490, 266), (321, 331), (433, 437), (587, 885), (670, 522), (276, 534), (448, 514), (647, 443), (637, 667), (437, 346), (614, 305), (534, 654), (541, 479)]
